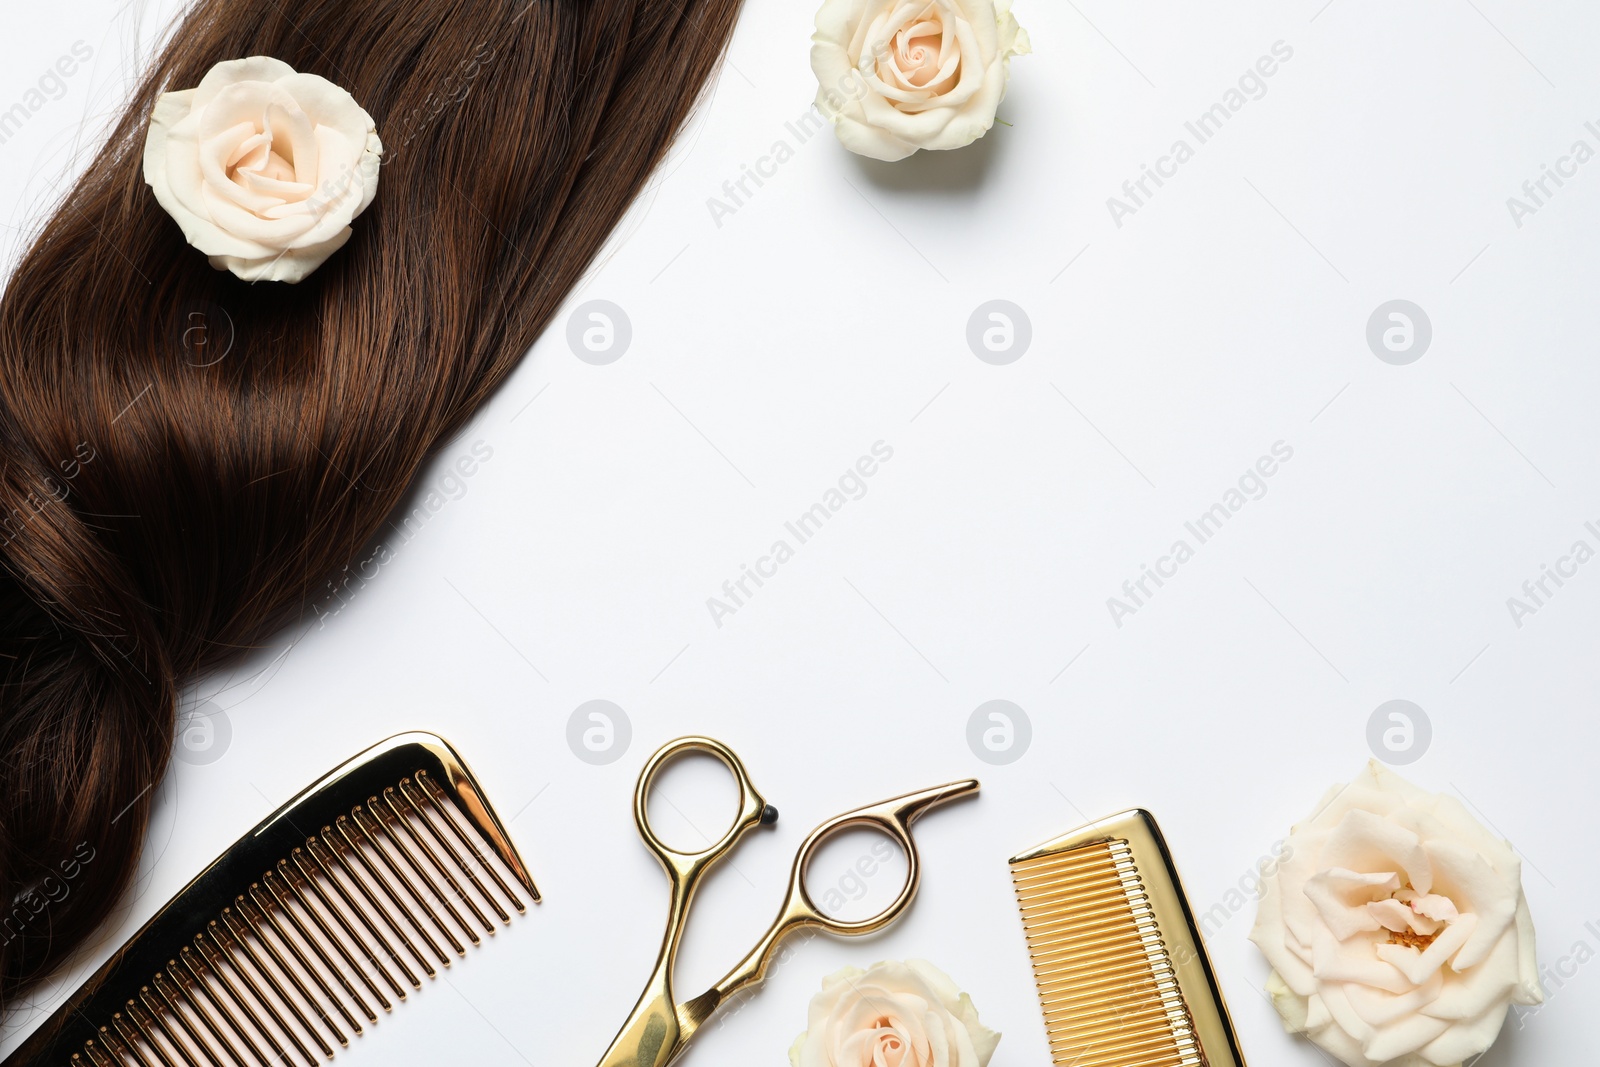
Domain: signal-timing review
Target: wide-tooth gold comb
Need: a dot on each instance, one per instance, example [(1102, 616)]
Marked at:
[(1122, 973), (307, 926)]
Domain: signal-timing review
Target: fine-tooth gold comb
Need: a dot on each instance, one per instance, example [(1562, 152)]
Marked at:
[(1122, 973), (308, 925)]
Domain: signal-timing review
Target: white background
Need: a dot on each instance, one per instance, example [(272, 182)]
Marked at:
[(829, 312)]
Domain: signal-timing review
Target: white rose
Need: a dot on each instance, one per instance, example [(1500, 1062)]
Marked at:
[(899, 75), (1397, 929), (262, 167), (893, 1015)]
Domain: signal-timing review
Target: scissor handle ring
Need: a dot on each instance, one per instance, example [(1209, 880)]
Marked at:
[(891, 825), (751, 803)]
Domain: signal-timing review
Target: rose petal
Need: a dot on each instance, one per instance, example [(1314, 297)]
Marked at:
[(1360, 960), (1461, 1041), (1273, 939), (1490, 896), (1380, 1008), (1365, 841), (235, 71), (1292, 1007), (1341, 896), (176, 186), (290, 265), (1468, 994), (1436, 907), (1392, 915), (1402, 1037), (1529, 991), (1344, 1017)]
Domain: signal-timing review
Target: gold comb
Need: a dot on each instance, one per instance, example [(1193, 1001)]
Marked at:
[(312, 922), (1122, 973)]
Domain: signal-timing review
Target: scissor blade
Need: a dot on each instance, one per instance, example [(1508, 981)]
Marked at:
[(692, 1014), (650, 1038)]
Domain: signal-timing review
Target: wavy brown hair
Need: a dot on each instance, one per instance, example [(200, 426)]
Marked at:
[(161, 508)]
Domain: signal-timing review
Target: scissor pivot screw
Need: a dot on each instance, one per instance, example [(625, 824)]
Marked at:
[(769, 815)]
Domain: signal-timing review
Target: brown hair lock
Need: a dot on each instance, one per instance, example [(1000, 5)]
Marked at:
[(162, 508)]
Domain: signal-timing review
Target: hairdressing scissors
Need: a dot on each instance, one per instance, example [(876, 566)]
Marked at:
[(660, 1027)]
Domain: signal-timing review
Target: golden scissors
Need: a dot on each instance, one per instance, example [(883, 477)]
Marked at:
[(660, 1028)]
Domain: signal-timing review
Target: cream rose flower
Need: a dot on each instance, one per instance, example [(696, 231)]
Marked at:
[(1397, 930), (893, 1015), (262, 167), (899, 75)]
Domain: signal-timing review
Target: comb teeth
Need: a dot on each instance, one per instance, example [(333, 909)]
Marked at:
[(1109, 991), (282, 974), (295, 940), (1122, 974)]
